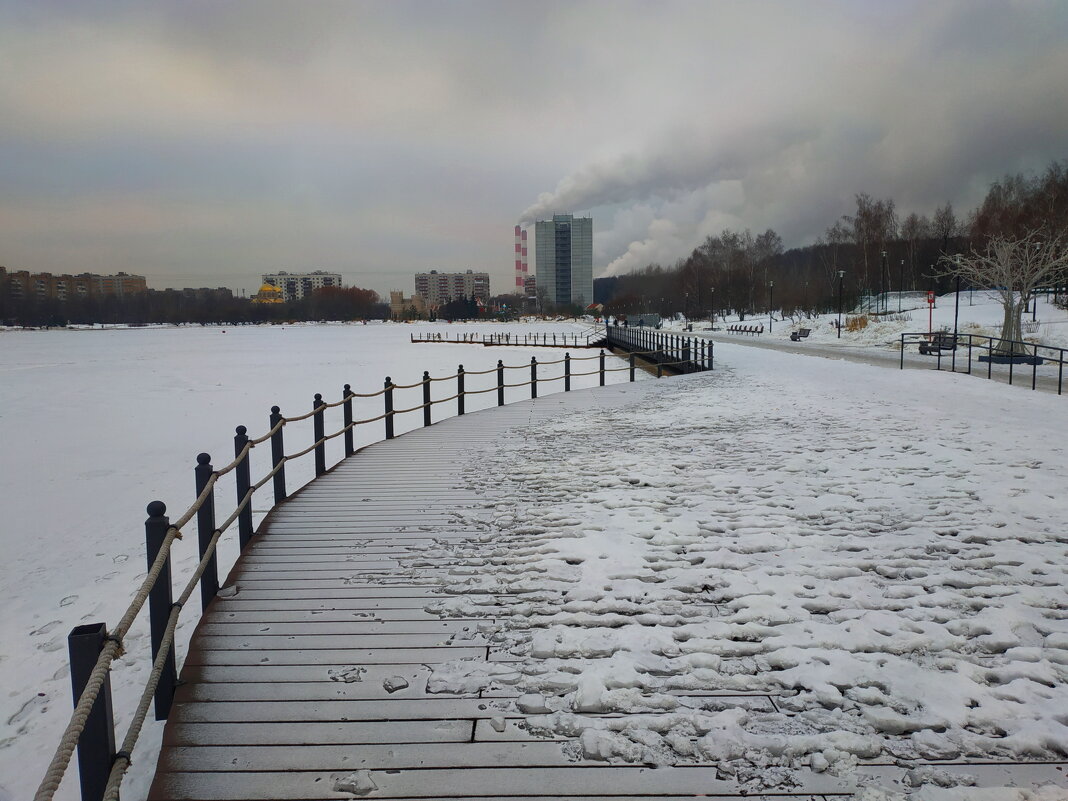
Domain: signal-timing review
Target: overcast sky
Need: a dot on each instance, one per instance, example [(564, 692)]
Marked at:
[(205, 143)]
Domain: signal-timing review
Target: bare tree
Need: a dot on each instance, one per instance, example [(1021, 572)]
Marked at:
[(1014, 267), (914, 230)]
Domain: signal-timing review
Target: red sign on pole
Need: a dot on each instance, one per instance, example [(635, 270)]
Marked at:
[(930, 296)]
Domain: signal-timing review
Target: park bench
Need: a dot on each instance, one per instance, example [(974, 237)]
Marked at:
[(942, 340), (797, 336)]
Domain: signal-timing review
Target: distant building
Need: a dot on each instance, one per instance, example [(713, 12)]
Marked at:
[(295, 286), (563, 259), (530, 287), (22, 284), (400, 306), (436, 289), (268, 293)]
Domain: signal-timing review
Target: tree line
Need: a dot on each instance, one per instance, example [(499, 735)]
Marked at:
[(178, 306), (872, 251)]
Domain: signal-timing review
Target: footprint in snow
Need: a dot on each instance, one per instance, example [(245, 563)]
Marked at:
[(47, 627), (68, 600)]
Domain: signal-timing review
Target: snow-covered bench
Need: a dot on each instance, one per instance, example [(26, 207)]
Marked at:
[(797, 336), (745, 329), (939, 341)]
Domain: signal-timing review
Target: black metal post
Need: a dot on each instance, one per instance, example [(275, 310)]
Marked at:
[(278, 455), (346, 393), (601, 369), (500, 383), (426, 398), (96, 745), (209, 582), (771, 303), (956, 314), (244, 484), (686, 365), (460, 390), (659, 370), (388, 396), (969, 354), (533, 377), (318, 432), (160, 603), (567, 372), (1034, 366), (632, 368), (1012, 357), (989, 357), (902, 352)]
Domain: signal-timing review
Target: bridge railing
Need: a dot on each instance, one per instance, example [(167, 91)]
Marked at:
[(93, 648), (969, 349), (683, 354), (544, 340)]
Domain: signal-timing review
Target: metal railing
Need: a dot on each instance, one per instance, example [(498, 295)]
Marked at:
[(543, 340), (682, 354), (978, 349), (93, 648)]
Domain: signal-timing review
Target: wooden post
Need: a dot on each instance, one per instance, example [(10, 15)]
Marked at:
[(209, 581), (346, 393), (388, 396), (244, 484), (318, 432), (426, 398), (96, 745), (160, 602), (460, 390), (278, 455)]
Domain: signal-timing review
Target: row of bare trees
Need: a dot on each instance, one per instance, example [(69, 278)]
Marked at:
[(1013, 241)]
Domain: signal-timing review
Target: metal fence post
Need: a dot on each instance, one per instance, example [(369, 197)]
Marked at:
[(96, 745), (318, 432), (659, 370), (460, 390), (244, 484), (1034, 364), (601, 368), (209, 581), (686, 365), (278, 456), (388, 395), (632, 367), (533, 377), (902, 366), (500, 383), (160, 603), (426, 398), (346, 393), (1012, 357), (567, 372)]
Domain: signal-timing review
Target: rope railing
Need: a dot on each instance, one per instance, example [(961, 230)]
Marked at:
[(104, 780)]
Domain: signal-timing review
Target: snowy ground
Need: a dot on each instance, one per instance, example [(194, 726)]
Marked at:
[(95, 424), (884, 553)]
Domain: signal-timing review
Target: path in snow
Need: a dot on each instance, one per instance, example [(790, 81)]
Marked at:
[(881, 552)]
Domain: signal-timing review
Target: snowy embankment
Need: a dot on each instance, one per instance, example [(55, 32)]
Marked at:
[(882, 553), (95, 424), (979, 313)]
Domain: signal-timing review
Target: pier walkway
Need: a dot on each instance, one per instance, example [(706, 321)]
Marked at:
[(370, 640)]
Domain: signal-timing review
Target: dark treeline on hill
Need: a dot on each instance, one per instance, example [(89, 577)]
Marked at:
[(878, 250), (187, 306)]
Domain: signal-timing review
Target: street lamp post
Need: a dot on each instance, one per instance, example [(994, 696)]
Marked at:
[(956, 315), (841, 275), (900, 284), (883, 272), (712, 305), (771, 303)]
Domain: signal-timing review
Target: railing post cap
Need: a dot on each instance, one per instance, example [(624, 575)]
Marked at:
[(426, 374), (318, 396), (156, 509), (500, 363), (388, 380), (347, 387), (460, 369), (275, 410), (241, 431), (533, 359)]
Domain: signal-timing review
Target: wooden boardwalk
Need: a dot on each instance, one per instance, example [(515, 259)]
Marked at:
[(311, 679)]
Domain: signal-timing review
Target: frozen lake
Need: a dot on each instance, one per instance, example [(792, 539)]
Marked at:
[(95, 424)]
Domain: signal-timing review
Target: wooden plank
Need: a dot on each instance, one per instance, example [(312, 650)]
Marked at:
[(339, 710), (357, 681), (317, 642), (342, 733), (339, 656), (316, 625)]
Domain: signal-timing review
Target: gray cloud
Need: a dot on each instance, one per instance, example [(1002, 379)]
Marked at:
[(199, 142)]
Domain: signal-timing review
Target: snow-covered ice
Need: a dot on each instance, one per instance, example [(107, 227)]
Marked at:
[(97, 423)]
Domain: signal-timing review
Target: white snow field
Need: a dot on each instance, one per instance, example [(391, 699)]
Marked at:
[(884, 553), (95, 424)]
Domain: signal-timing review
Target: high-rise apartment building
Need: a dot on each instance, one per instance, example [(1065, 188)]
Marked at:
[(295, 286), (563, 259), (63, 287), (436, 289)]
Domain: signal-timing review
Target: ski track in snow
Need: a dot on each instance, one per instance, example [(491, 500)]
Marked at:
[(891, 573)]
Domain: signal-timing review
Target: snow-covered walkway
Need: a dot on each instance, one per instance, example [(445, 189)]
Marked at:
[(790, 577)]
